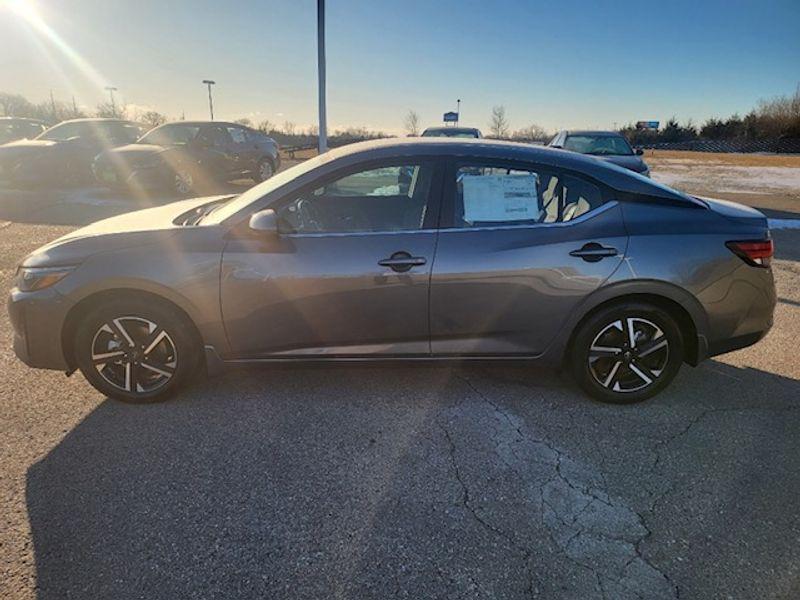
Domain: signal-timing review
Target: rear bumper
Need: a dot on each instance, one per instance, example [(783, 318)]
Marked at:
[(37, 319)]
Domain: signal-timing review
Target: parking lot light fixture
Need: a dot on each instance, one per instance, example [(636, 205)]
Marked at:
[(111, 89), (209, 83)]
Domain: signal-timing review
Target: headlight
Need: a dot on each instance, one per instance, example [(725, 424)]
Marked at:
[(30, 279), (646, 173)]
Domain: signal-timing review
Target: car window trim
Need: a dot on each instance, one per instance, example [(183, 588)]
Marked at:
[(447, 221)]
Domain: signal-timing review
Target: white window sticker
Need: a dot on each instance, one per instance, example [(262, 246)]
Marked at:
[(500, 198)]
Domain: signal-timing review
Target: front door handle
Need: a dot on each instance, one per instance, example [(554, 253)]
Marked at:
[(402, 262), (593, 252)]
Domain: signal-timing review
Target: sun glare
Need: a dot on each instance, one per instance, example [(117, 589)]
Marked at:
[(27, 11)]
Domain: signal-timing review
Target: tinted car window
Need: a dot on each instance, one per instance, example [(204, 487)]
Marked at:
[(392, 198), (170, 135), (238, 134), (601, 145), (497, 196), (216, 136), (64, 131)]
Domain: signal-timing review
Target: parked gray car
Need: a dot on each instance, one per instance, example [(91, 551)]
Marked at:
[(605, 145), (406, 249)]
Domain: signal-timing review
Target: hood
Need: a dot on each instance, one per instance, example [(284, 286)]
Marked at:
[(131, 154), (634, 163), (124, 231), (20, 148), (134, 150)]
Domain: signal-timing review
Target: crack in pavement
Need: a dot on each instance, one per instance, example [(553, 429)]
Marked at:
[(600, 535)]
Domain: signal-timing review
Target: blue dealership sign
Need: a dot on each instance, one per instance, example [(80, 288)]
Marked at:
[(451, 117), (647, 124)]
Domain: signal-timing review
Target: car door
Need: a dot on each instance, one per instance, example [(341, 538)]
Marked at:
[(244, 152), (349, 273), (215, 152), (520, 247)]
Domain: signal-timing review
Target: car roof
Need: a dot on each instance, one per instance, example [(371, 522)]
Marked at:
[(96, 120), (451, 129), (596, 133), (200, 123), (616, 177)]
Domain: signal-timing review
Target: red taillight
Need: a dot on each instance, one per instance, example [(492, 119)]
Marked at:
[(754, 252)]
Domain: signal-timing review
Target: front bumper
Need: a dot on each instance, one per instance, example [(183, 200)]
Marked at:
[(37, 319)]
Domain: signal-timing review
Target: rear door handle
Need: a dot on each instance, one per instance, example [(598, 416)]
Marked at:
[(402, 262), (593, 252)]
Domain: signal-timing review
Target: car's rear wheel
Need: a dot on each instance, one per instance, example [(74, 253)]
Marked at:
[(627, 353), (263, 171), (136, 351)]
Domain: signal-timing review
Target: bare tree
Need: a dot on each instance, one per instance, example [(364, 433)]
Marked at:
[(152, 118), (411, 123), (498, 125), (244, 121), (313, 130), (288, 128), (108, 111), (266, 126), (531, 133)]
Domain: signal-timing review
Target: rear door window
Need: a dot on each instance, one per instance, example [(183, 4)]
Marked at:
[(495, 195)]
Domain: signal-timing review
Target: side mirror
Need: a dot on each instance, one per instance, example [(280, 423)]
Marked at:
[(264, 221), (639, 151)]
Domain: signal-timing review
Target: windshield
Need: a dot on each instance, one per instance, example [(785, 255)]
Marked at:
[(462, 133), (62, 132), (600, 145), (261, 190), (170, 135)]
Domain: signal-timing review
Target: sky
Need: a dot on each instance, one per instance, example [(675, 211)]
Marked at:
[(564, 64)]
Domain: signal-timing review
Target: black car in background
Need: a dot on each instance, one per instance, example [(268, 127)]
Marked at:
[(606, 145), (63, 154), (189, 156), (19, 128)]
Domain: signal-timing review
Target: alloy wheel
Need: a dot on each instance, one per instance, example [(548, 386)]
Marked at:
[(265, 170), (134, 354), (628, 355), (184, 182)]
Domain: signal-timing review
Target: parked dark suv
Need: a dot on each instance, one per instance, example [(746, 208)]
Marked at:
[(606, 145), (63, 154), (189, 156)]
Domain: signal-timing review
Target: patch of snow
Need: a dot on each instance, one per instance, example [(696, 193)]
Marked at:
[(784, 223), (683, 173)]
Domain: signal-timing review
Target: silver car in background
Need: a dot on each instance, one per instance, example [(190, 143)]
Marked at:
[(605, 145), (406, 249)]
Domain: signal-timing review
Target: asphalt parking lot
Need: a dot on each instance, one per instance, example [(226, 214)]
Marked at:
[(398, 482)]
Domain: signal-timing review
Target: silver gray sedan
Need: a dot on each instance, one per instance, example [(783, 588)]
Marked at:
[(421, 249)]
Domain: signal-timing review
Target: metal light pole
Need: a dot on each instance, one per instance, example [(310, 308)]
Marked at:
[(458, 111), (323, 125), (110, 89), (209, 83)]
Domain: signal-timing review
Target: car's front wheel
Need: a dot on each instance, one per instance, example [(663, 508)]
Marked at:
[(263, 171), (135, 350), (627, 353)]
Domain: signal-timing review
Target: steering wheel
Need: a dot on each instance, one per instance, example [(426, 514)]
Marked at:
[(309, 215)]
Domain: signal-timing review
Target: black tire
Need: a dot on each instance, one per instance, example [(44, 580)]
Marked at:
[(264, 170), (610, 369), (106, 332)]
